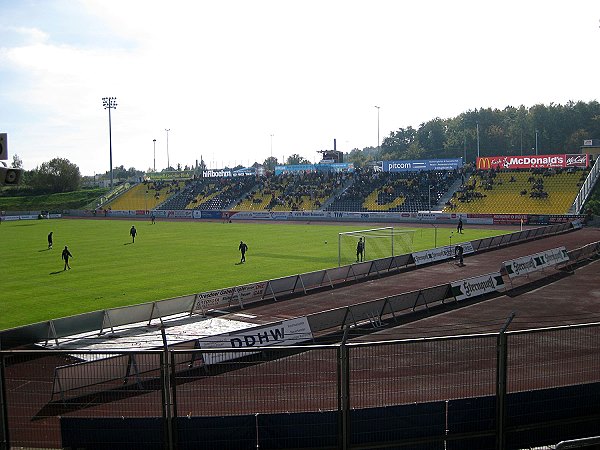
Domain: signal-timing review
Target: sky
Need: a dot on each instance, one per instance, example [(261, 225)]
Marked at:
[(238, 81)]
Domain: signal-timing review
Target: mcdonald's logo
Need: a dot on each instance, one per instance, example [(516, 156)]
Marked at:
[(484, 163)]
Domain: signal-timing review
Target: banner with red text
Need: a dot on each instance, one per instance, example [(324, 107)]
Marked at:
[(533, 161)]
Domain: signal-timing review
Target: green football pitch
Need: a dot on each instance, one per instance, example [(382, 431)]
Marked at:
[(168, 259)]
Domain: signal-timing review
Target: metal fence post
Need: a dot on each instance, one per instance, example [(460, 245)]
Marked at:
[(4, 440), (166, 391), (174, 415), (501, 375), (344, 391)]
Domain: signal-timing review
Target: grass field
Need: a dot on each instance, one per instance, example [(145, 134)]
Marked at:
[(168, 259)]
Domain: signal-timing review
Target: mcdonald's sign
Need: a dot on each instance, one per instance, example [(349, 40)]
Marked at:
[(491, 162), (484, 163), (531, 161)]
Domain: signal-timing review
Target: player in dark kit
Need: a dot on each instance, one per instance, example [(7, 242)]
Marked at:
[(133, 233), (243, 248), (66, 254), (360, 249), (50, 240), (459, 227)]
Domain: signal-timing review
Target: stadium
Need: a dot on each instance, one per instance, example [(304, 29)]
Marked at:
[(404, 345)]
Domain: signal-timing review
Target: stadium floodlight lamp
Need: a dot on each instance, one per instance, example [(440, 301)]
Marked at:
[(110, 103)]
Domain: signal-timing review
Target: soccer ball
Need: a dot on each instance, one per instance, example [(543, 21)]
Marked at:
[(326, 242)]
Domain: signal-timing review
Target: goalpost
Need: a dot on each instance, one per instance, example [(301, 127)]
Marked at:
[(378, 243)]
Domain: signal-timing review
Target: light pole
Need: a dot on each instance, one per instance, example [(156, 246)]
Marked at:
[(154, 141), (377, 126), (168, 162), (429, 196), (110, 103), (272, 145), (465, 145), (478, 139), (536, 142)]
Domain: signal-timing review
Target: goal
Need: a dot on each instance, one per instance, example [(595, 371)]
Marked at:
[(378, 243)]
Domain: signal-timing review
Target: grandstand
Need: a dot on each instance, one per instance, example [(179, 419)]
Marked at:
[(146, 196), (292, 192), (209, 193), (394, 192), (537, 191), (493, 191)]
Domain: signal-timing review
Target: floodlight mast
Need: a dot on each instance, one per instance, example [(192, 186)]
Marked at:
[(168, 162), (154, 140), (110, 103)]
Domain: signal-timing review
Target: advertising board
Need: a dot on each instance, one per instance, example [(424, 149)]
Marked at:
[(538, 261), (476, 286), (422, 164), (533, 161), (287, 332), (223, 297)]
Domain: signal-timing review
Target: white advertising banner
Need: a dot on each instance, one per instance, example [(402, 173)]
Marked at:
[(441, 253), (476, 286), (223, 297), (531, 263), (288, 332)]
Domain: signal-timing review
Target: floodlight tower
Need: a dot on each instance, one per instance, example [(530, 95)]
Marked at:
[(168, 163), (154, 140), (110, 103), (377, 126)]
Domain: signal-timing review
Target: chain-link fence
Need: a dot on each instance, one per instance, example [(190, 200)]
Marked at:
[(497, 391)]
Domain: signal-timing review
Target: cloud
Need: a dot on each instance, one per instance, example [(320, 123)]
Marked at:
[(30, 35)]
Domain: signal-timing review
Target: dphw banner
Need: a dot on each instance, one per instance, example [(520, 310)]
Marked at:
[(287, 332), (531, 263), (533, 161)]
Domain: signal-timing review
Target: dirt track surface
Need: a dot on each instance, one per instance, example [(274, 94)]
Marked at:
[(445, 272)]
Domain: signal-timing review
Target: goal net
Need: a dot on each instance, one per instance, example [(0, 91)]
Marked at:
[(377, 243)]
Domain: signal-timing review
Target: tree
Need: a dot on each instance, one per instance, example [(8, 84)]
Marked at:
[(17, 162), (508, 131), (296, 159), (270, 163), (398, 142), (56, 175), (431, 136)]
